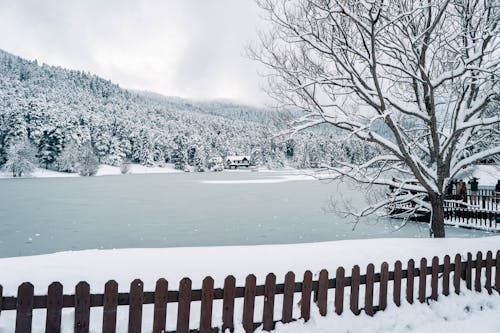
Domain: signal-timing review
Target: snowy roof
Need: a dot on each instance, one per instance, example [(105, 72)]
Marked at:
[(233, 158)]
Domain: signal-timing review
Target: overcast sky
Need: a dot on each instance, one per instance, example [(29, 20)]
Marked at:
[(187, 48)]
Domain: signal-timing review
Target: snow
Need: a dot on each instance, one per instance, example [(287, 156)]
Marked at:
[(281, 179), (455, 313), (104, 170), (487, 175)]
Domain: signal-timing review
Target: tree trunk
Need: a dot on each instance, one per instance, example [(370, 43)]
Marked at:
[(437, 216)]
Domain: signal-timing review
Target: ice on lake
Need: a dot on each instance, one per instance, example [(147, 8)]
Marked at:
[(192, 209)]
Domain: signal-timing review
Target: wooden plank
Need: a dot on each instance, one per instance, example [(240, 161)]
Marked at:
[(109, 307), (135, 307), (457, 274), (497, 272), (305, 302), (410, 277), (54, 308), (479, 268), (207, 299), (468, 271), (434, 278), (398, 270), (228, 304), (422, 283), (184, 305), (384, 279), (249, 303), (446, 275), (489, 265), (287, 313), (24, 307), (323, 292), (82, 307), (339, 290), (160, 308), (355, 282), (370, 280), (268, 313)]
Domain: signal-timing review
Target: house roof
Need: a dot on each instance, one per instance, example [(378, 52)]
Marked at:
[(234, 158)]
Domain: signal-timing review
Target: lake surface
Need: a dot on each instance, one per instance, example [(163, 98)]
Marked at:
[(46, 215)]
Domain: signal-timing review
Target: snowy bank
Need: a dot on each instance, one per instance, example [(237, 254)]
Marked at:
[(456, 313)]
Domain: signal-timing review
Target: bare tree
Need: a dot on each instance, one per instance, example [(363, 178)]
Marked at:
[(418, 78)]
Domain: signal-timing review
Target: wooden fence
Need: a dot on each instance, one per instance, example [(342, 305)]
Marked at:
[(445, 277)]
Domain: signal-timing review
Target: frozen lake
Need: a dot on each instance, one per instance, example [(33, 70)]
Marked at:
[(46, 215)]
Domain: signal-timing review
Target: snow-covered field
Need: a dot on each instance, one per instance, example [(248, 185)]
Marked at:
[(453, 314)]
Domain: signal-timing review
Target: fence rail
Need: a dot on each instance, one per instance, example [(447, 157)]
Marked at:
[(481, 272)]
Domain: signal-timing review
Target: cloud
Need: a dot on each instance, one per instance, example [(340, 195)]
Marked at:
[(187, 48)]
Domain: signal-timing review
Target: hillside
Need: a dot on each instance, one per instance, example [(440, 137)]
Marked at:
[(64, 113)]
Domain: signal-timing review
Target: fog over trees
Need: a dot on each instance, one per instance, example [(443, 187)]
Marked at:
[(74, 120), (426, 72)]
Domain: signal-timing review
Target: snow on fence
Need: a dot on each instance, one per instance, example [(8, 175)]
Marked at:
[(481, 211), (477, 273)]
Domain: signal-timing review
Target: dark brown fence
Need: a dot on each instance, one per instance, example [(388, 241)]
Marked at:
[(427, 281)]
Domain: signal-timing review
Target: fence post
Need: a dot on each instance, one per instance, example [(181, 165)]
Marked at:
[(497, 272), (228, 304), (249, 303), (54, 308), (24, 314), (339, 290), (109, 307), (207, 298), (370, 279), (384, 279), (184, 305), (457, 273), (410, 276), (287, 313), (269, 292), (305, 302), (160, 307), (323, 292), (397, 283), (82, 307), (468, 271), (355, 281)]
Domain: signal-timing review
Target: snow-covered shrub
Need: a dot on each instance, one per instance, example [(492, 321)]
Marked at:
[(21, 159)]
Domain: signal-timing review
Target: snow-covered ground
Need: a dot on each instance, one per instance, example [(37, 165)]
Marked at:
[(453, 314), (487, 175)]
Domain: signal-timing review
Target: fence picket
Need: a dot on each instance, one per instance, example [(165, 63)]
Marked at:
[(82, 307), (228, 304), (323, 292), (24, 315), (207, 298), (489, 264), (384, 279), (160, 309), (287, 313), (355, 281), (249, 303), (370, 279), (397, 283), (184, 305), (269, 292), (339, 290), (110, 304), (497, 272), (468, 271), (434, 278), (305, 302), (446, 275), (135, 307), (54, 308), (410, 276), (422, 284), (479, 267), (457, 273)]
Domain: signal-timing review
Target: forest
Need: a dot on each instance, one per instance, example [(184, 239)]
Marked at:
[(72, 121)]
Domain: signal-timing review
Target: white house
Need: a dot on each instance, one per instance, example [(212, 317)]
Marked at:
[(237, 162)]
